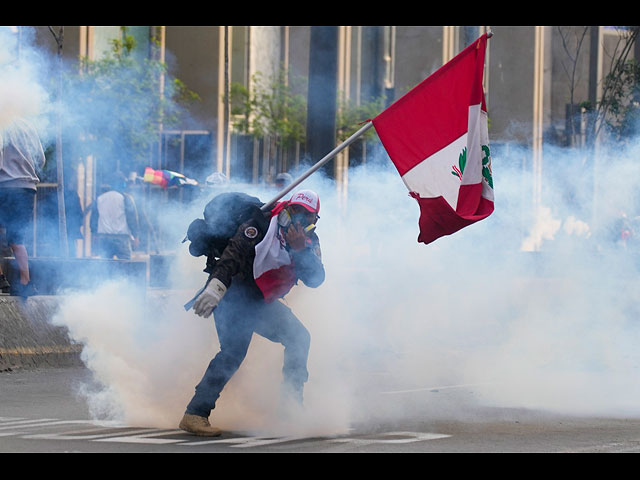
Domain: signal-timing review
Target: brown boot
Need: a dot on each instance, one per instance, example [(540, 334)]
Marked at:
[(198, 426)]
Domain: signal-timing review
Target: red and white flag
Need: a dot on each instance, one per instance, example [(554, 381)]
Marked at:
[(437, 137)]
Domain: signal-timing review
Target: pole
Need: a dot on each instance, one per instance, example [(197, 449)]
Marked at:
[(62, 216), (318, 165)]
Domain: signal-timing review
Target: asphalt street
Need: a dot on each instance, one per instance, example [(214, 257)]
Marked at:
[(40, 411)]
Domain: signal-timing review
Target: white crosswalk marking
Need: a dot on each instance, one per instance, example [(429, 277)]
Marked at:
[(97, 431), (145, 438), (25, 423), (82, 435), (246, 442), (389, 437)]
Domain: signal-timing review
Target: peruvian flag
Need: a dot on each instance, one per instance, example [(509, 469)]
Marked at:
[(273, 269), (437, 137)]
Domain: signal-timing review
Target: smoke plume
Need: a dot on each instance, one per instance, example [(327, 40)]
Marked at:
[(534, 307)]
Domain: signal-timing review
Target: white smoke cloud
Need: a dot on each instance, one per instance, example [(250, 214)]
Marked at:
[(22, 80), (532, 307), (550, 329)]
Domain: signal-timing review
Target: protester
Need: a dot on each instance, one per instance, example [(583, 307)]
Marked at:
[(74, 219), (217, 179), (261, 263), (4, 283), (283, 180), (148, 239), (21, 159), (114, 221)]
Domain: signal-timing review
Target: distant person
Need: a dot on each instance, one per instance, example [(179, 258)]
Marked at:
[(114, 221), (148, 237), (214, 184), (21, 159), (217, 179), (74, 220), (4, 283), (5, 286), (283, 180)]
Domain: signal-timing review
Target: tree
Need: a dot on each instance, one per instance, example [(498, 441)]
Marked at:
[(572, 42), (117, 105), (270, 108), (351, 115), (617, 111)]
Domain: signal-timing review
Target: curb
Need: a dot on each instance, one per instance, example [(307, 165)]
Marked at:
[(29, 340)]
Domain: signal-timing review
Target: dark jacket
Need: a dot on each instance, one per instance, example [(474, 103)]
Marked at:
[(235, 265)]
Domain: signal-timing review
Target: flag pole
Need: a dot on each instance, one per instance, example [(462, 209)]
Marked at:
[(320, 163)]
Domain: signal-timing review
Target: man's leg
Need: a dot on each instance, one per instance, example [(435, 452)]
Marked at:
[(279, 324), (219, 372), (22, 259), (234, 328), (21, 204), (121, 248)]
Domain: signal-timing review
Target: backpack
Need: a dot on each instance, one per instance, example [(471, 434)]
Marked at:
[(222, 217)]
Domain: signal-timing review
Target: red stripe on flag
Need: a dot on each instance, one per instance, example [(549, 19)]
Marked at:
[(438, 219), (435, 112), (276, 283)]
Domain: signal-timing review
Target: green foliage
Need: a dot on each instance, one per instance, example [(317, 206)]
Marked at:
[(624, 106), (118, 104), (270, 108), (618, 110), (351, 116)]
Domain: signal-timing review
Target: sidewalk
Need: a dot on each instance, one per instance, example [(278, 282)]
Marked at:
[(27, 338)]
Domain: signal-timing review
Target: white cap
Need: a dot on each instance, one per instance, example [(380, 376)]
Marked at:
[(308, 199), (284, 177), (217, 178)]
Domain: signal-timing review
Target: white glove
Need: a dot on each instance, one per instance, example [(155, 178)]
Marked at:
[(209, 298)]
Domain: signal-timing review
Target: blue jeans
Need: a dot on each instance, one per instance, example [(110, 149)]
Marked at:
[(237, 317), (118, 246)]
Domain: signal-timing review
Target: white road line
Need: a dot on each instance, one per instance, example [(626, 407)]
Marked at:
[(25, 423), (117, 433), (80, 435), (411, 437), (429, 389), (8, 434), (239, 440), (268, 441), (19, 427), (145, 438)]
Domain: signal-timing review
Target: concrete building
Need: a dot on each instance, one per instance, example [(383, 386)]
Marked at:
[(533, 75)]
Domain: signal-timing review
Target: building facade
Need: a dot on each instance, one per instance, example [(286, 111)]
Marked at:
[(535, 78)]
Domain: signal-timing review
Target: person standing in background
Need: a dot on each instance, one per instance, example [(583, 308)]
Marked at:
[(21, 159), (114, 220)]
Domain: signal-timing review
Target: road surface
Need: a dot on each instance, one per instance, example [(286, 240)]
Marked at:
[(39, 412)]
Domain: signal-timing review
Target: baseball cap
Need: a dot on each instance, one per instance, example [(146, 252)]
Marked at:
[(216, 178), (284, 178), (308, 199)]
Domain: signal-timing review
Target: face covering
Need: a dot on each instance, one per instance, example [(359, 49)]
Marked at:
[(285, 219)]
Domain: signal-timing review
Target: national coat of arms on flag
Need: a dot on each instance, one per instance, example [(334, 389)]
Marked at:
[(437, 137)]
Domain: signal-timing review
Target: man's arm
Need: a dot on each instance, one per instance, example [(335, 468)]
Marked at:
[(238, 255), (131, 212), (308, 262)]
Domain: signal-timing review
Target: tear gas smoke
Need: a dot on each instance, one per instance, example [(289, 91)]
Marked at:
[(22, 77), (534, 307)]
